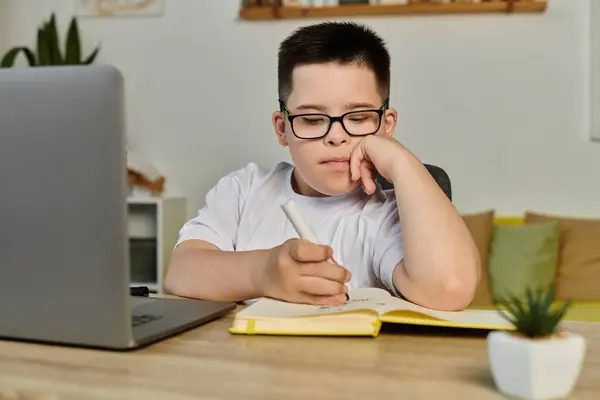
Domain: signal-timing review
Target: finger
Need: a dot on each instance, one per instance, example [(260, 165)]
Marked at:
[(305, 251), (355, 160), (367, 177), (320, 286), (312, 299), (333, 272)]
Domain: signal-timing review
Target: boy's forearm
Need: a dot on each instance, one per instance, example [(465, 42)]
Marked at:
[(216, 275), (441, 267)]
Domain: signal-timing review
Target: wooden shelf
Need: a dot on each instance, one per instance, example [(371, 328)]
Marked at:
[(350, 10)]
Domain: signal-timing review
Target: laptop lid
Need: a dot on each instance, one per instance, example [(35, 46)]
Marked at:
[(64, 273)]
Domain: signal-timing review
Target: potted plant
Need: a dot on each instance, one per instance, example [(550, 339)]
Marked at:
[(538, 359), (48, 52)]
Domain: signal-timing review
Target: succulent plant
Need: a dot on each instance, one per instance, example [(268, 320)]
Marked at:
[(48, 51), (536, 315)]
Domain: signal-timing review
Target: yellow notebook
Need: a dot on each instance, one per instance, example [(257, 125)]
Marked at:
[(362, 315)]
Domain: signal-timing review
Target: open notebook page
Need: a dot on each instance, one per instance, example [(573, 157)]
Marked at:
[(360, 299), (468, 317)]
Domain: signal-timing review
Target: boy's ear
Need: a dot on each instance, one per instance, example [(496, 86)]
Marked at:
[(279, 124), (390, 118)]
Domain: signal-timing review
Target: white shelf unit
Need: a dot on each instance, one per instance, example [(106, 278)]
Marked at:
[(153, 224)]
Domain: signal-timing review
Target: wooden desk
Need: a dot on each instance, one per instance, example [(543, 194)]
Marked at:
[(209, 363)]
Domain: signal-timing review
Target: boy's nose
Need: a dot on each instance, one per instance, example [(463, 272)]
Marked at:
[(337, 135)]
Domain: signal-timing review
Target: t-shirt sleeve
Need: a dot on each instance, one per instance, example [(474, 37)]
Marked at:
[(217, 221), (389, 247)]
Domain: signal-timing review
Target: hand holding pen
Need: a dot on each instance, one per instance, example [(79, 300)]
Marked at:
[(319, 278), (302, 271)]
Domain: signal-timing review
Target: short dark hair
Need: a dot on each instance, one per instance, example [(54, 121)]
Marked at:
[(342, 42)]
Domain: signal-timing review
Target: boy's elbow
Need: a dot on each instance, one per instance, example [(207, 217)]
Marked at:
[(452, 292), (177, 281), (169, 286), (458, 291), (455, 295), (449, 297), (172, 284)]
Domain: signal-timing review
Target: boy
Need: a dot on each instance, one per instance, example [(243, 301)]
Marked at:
[(334, 84)]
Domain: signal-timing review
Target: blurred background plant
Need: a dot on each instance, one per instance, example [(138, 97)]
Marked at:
[(48, 49)]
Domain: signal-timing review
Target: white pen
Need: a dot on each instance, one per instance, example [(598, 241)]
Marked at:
[(294, 216)]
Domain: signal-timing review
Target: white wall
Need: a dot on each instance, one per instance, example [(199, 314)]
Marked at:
[(501, 102), (3, 28)]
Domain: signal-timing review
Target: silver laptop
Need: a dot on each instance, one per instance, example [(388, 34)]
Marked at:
[(64, 264)]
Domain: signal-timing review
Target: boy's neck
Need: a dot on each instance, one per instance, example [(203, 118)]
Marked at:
[(302, 188)]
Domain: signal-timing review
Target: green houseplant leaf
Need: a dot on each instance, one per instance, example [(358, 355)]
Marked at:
[(73, 54), (53, 40), (8, 61), (43, 51), (73, 45), (90, 59)]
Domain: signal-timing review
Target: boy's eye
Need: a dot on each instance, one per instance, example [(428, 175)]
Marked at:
[(357, 119), (313, 120), (363, 117)]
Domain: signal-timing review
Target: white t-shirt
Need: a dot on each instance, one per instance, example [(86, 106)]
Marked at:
[(243, 212)]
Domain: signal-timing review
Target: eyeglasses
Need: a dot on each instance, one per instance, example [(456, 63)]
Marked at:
[(317, 126)]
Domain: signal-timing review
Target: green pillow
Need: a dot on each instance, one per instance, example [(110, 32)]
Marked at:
[(522, 257)]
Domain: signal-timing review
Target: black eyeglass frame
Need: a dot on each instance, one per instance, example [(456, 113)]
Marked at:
[(332, 119)]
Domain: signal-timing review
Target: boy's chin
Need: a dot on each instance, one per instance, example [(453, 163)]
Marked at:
[(338, 189)]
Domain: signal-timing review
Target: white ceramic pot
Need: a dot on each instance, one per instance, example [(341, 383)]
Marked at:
[(535, 369)]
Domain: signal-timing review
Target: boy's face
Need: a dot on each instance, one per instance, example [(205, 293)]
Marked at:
[(322, 167)]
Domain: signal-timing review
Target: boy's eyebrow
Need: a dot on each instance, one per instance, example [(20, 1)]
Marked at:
[(322, 108), (311, 107), (352, 106)]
